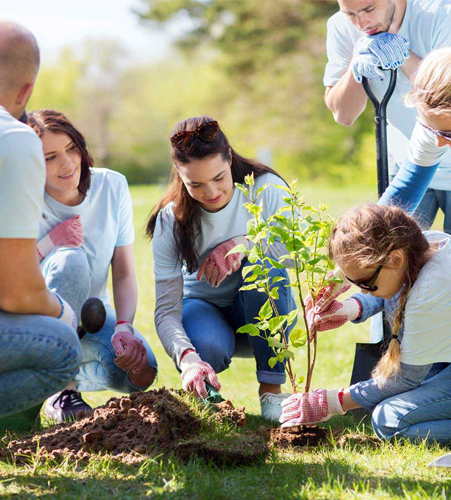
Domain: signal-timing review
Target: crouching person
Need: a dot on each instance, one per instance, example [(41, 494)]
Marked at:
[(87, 225), (382, 251), (39, 348)]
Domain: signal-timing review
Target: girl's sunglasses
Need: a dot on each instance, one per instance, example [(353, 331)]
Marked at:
[(207, 132), (438, 133), (368, 285)]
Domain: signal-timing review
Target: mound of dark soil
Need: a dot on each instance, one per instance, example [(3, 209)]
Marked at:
[(298, 436), (136, 425)]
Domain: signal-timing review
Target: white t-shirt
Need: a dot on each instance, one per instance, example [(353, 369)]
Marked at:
[(22, 179), (427, 26), (107, 220), (427, 323), (216, 228)]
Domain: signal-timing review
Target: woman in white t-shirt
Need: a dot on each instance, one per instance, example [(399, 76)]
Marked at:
[(87, 225), (199, 219), (383, 251)]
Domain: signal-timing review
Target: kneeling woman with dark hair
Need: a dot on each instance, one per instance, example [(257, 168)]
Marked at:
[(197, 222), (87, 225)]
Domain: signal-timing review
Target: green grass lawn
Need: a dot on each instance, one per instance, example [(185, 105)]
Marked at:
[(328, 472)]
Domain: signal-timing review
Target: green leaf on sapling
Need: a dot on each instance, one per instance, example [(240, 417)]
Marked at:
[(272, 362), (250, 329), (298, 337), (260, 190), (274, 263), (248, 287), (255, 269), (249, 179), (292, 316), (273, 342), (238, 249), (265, 310), (276, 279), (287, 354), (274, 293), (242, 188), (275, 324), (284, 188)]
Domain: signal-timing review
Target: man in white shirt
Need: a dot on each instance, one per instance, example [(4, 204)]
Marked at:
[(425, 25), (38, 353)]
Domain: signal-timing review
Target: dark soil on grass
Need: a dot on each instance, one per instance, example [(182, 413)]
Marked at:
[(133, 428), (155, 421)]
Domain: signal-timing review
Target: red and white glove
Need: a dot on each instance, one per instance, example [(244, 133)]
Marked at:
[(194, 374), (324, 299), (334, 315), (310, 407), (216, 266), (130, 351), (68, 233), (67, 313)]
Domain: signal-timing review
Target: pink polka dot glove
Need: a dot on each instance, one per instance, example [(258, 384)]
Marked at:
[(194, 374), (130, 351), (310, 408), (218, 265), (68, 234)]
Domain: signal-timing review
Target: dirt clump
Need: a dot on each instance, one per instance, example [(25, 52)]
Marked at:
[(226, 410), (297, 436)]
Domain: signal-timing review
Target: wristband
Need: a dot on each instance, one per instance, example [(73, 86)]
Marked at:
[(185, 353), (121, 322), (360, 308), (340, 396)]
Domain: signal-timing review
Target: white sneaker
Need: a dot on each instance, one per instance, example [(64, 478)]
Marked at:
[(270, 405)]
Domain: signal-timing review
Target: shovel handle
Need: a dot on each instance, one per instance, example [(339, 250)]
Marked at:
[(213, 394)]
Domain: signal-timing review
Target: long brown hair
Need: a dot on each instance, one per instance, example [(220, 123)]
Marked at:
[(49, 120), (187, 214), (365, 236)]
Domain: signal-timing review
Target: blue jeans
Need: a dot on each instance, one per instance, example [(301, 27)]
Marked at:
[(212, 329), (67, 272), (39, 355), (422, 413), (428, 208)]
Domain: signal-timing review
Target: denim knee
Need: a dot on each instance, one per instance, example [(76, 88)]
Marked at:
[(386, 422), (213, 352), (70, 351)]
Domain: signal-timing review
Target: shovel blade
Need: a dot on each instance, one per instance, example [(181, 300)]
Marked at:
[(444, 461)]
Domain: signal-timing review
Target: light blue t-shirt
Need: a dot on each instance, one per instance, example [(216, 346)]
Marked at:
[(107, 220), (22, 179), (216, 228), (426, 26)]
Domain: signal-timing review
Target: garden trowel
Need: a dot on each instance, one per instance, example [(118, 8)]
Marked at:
[(367, 355), (213, 395)]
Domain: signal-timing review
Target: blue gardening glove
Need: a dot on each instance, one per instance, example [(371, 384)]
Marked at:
[(365, 64), (389, 48)]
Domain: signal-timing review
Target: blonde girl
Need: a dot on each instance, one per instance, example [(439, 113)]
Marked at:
[(383, 251)]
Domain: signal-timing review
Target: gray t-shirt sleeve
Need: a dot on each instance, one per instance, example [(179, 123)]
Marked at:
[(168, 317), (368, 394), (22, 183)]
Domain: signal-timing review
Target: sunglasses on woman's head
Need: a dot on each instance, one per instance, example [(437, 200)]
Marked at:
[(368, 284), (438, 133), (206, 132)]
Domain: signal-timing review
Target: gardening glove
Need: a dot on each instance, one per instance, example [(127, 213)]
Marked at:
[(67, 313), (332, 290), (334, 315), (68, 233), (389, 48), (310, 408), (194, 374), (364, 63), (218, 265), (130, 351)]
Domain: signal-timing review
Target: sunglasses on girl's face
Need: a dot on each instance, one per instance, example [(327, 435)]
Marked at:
[(368, 284), (206, 132), (438, 133)]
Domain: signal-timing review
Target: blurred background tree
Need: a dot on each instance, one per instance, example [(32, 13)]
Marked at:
[(255, 65)]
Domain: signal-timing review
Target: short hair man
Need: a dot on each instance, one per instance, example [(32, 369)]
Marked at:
[(400, 33), (38, 353)]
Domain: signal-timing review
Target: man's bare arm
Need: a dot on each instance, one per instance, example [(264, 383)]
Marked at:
[(410, 65), (22, 286), (346, 99)]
